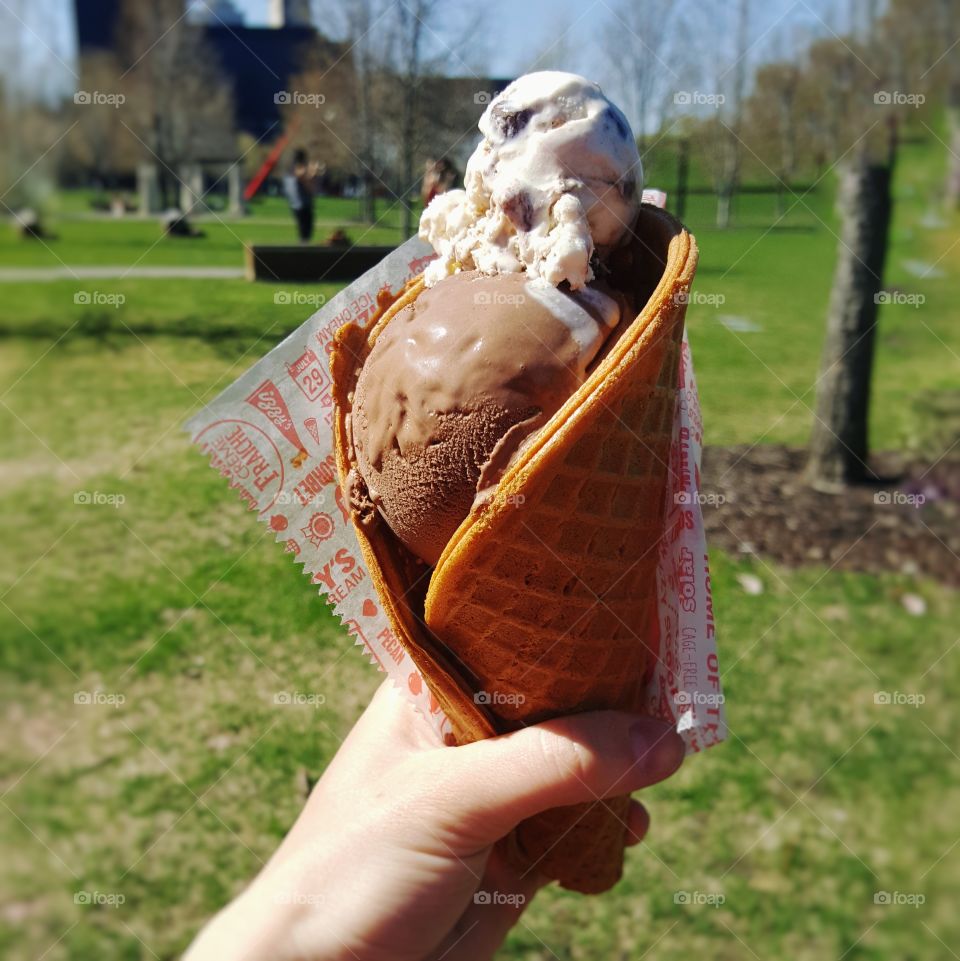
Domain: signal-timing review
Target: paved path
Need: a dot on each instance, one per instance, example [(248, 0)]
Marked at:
[(9, 275)]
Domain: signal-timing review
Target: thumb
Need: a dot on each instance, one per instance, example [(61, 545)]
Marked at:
[(490, 786)]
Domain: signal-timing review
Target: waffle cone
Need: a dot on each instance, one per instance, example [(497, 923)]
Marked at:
[(544, 602)]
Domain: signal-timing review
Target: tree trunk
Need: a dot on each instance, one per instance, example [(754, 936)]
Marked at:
[(838, 443), (683, 174), (724, 197), (953, 153)]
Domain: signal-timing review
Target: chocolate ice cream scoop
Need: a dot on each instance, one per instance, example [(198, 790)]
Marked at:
[(453, 386)]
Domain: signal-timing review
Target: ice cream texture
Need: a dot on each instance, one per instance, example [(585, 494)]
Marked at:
[(452, 388), (511, 318), (556, 180)]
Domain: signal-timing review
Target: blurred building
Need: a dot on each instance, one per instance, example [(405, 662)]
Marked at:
[(289, 13), (217, 11), (258, 62), (96, 25)]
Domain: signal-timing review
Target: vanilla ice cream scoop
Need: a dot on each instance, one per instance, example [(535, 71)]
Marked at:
[(556, 180)]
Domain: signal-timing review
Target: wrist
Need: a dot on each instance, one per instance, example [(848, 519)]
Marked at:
[(256, 926)]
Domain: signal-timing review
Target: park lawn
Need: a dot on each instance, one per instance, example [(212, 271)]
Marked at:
[(178, 601), (135, 242), (755, 326)]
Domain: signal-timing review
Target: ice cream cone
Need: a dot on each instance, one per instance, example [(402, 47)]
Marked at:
[(544, 601)]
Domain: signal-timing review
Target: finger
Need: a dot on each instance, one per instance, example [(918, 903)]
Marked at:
[(638, 823), (492, 785), (385, 732)]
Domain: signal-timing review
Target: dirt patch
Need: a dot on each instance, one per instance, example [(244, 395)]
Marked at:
[(755, 502)]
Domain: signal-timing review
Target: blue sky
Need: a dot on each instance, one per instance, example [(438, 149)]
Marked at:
[(519, 31)]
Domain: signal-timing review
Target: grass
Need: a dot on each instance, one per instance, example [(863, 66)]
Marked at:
[(82, 241), (177, 601)]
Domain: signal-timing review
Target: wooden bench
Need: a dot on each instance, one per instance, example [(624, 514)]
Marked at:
[(310, 264)]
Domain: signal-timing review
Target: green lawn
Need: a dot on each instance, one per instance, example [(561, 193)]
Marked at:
[(179, 602), (78, 240)]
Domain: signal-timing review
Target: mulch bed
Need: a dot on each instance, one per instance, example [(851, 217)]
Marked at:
[(908, 521)]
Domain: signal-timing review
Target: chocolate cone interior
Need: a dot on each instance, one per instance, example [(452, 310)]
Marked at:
[(544, 600)]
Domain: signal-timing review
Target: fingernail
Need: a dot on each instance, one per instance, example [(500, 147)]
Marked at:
[(657, 747)]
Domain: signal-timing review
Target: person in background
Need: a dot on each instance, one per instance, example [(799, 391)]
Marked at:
[(439, 177), (300, 186)]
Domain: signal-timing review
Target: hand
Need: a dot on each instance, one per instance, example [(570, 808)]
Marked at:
[(397, 837)]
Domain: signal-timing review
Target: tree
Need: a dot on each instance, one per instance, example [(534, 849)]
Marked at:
[(411, 18), (639, 28), (180, 106), (772, 120), (839, 442), (99, 140), (731, 146), (360, 23)]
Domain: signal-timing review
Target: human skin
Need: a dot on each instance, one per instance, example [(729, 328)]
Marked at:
[(397, 837)]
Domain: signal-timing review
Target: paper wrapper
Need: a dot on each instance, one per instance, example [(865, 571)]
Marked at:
[(270, 435)]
